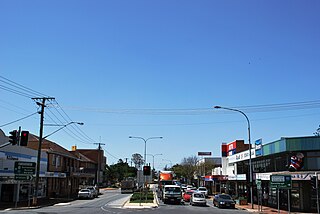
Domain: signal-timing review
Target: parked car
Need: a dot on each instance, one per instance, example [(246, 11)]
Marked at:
[(94, 191), (183, 187), (203, 190), (189, 187), (187, 195), (198, 198), (85, 193), (223, 201)]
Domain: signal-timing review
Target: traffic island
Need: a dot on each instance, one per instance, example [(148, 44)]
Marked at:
[(142, 200)]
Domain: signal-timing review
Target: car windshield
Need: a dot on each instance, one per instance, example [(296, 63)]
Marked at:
[(197, 195), (189, 193), (172, 189), (84, 190), (225, 197), (202, 189)]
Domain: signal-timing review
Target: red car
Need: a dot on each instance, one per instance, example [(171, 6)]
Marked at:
[(187, 195)]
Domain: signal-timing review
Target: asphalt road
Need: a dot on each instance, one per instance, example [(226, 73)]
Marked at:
[(110, 203)]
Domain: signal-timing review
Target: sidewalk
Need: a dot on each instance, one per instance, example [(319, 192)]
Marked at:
[(265, 209), (42, 202)]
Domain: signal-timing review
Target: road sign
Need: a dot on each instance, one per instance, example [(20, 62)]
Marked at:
[(23, 177), (24, 168), (258, 182), (281, 181)]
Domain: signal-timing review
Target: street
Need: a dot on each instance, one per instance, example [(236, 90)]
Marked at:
[(110, 202)]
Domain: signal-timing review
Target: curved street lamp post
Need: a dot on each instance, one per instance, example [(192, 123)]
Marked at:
[(145, 149), (145, 145), (153, 159), (250, 162), (35, 196), (169, 161)]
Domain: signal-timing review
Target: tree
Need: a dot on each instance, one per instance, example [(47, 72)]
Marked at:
[(189, 167), (137, 160), (117, 172), (206, 167)]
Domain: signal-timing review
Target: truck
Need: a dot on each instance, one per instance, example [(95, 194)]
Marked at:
[(165, 178), (128, 186)]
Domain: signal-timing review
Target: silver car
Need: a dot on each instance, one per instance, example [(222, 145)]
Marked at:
[(203, 190), (93, 190), (85, 193), (198, 198)]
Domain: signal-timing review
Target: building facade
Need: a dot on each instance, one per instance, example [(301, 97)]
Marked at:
[(298, 157)]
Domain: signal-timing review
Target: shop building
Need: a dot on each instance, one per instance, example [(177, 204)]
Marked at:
[(11, 189), (295, 156)]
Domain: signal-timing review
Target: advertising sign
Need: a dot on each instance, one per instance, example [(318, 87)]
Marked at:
[(204, 153), (232, 148), (258, 144)]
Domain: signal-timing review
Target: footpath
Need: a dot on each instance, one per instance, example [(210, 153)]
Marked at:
[(256, 209)]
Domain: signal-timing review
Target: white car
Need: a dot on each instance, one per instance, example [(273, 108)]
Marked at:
[(203, 190), (189, 187), (198, 198), (85, 193), (94, 191)]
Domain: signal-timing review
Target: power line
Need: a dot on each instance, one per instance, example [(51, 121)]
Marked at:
[(16, 92), (69, 132), (198, 111), (77, 129), (19, 119), (24, 88), (111, 154)]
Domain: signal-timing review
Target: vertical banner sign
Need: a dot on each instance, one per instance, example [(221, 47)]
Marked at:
[(258, 144)]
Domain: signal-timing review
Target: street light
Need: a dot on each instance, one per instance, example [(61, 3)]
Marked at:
[(62, 126), (35, 196), (168, 160), (153, 159), (145, 145), (250, 162)]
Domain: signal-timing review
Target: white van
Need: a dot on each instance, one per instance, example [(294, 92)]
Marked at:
[(172, 193)]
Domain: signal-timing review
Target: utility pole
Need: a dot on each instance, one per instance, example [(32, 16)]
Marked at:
[(99, 161), (36, 185)]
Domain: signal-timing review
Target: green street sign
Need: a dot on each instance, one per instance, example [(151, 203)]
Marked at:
[(23, 177), (281, 181), (258, 182), (24, 168)]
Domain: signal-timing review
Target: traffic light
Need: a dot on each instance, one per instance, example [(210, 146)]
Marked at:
[(24, 138), (13, 138), (146, 170), (314, 181)]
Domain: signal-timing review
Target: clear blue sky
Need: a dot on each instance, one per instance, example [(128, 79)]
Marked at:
[(98, 58)]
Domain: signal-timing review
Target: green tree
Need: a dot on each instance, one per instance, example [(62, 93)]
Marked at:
[(137, 160), (117, 172)]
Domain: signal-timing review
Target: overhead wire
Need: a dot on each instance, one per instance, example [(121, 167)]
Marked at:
[(200, 111), (17, 85), (19, 119), (69, 132), (24, 91), (15, 91), (76, 128), (111, 154)]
